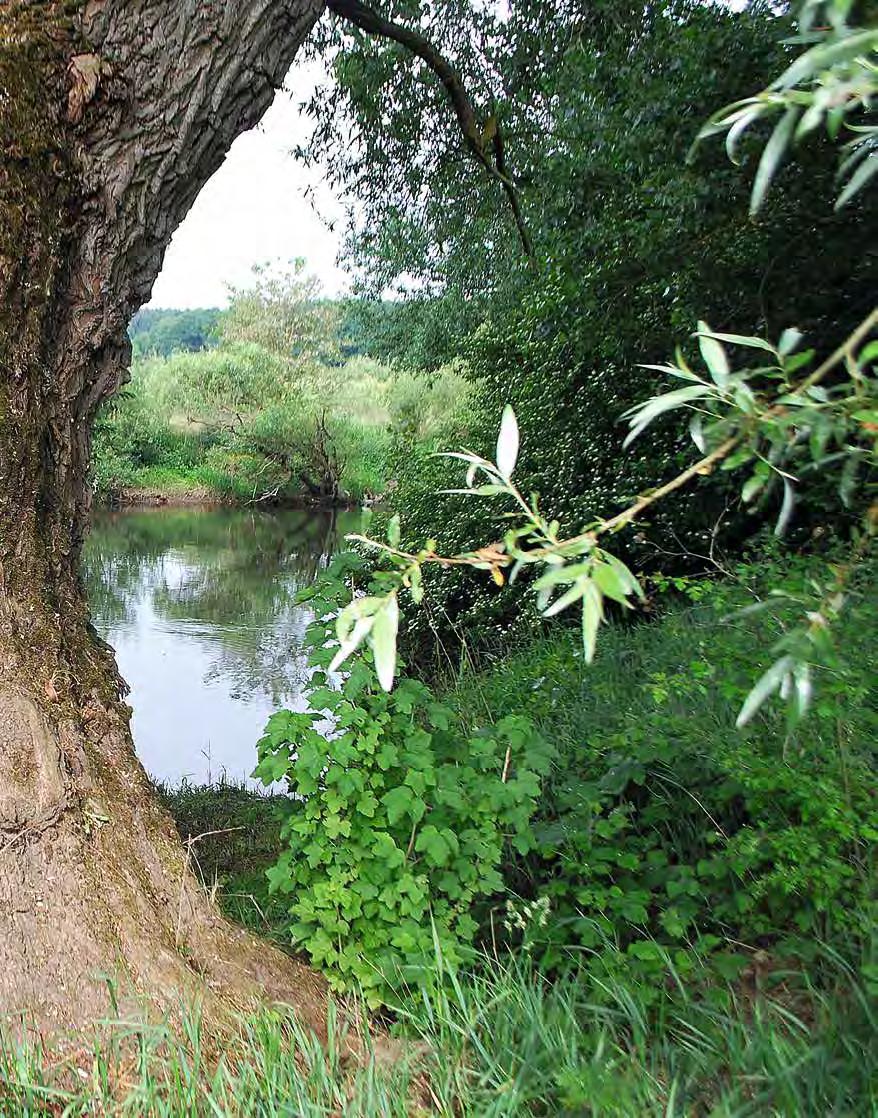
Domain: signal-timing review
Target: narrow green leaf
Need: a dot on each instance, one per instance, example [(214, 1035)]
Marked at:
[(744, 339), (610, 584), (507, 443), (765, 687), (789, 340), (592, 615), (772, 157), (714, 356), (866, 171), (786, 510), (568, 598), (752, 486), (821, 58), (382, 638)]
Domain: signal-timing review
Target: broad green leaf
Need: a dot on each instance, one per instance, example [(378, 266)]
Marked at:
[(434, 845), (696, 430), (752, 486), (558, 576), (490, 490), (353, 638), (804, 688), (632, 586), (737, 130), (398, 802), (868, 354)]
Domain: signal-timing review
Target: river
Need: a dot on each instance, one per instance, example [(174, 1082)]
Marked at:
[(199, 605)]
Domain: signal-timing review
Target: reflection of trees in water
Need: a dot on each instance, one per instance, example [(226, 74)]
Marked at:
[(229, 577), (274, 663)]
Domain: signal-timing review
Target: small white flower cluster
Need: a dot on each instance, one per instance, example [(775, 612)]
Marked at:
[(519, 917)]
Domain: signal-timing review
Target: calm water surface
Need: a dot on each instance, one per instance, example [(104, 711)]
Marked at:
[(199, 606)]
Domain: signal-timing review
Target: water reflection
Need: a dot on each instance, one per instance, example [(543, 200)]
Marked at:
[(199, 606)]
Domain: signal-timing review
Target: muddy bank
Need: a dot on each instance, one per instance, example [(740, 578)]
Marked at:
[(155, 497)]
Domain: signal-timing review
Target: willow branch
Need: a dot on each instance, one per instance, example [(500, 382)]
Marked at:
[(493, 160)]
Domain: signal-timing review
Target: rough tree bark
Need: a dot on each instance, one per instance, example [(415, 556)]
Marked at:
[(113, 114)]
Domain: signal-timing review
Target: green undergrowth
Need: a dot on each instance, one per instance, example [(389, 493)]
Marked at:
[(501, 1041), (232, 835), (663, 827), (688, 929), (613, 817)]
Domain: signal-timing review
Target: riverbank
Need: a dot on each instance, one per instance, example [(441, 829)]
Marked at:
[(157, 487), (608, 1008)]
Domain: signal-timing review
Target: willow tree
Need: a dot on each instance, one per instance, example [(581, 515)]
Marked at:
[(113, 114)]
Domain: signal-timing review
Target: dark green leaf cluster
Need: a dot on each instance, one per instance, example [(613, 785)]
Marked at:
[(665, 831)]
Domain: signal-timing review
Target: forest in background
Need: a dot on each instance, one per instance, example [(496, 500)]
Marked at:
[(585, 887), (275, 400)]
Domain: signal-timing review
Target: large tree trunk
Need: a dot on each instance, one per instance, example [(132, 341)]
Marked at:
[(113, 114)]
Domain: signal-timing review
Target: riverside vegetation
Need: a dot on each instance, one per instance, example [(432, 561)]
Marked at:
[(268, 401), (571, 876)]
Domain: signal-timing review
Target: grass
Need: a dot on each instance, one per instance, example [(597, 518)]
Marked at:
[(233, 836), (498, 1042)]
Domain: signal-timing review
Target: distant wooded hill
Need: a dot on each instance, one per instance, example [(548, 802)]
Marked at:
[(408, 332), (161, 331)]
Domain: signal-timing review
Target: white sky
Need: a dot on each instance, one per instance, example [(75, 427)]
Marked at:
[(254, 210)]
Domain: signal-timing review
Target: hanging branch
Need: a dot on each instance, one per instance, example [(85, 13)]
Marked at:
[(476, 136)]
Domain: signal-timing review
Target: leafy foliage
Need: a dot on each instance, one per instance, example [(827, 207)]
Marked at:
[(401, 821), (663, 831), (834, 80), (628, 224), (155, 331)]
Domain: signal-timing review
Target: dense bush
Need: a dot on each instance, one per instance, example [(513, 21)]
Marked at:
[(637, 830), (400, 821), (661, 822)]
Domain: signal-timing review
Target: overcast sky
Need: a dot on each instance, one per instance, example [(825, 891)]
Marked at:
[(254, 210)]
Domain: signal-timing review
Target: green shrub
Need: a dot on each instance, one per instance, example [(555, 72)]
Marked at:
[(663, 823), (401, 821)]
